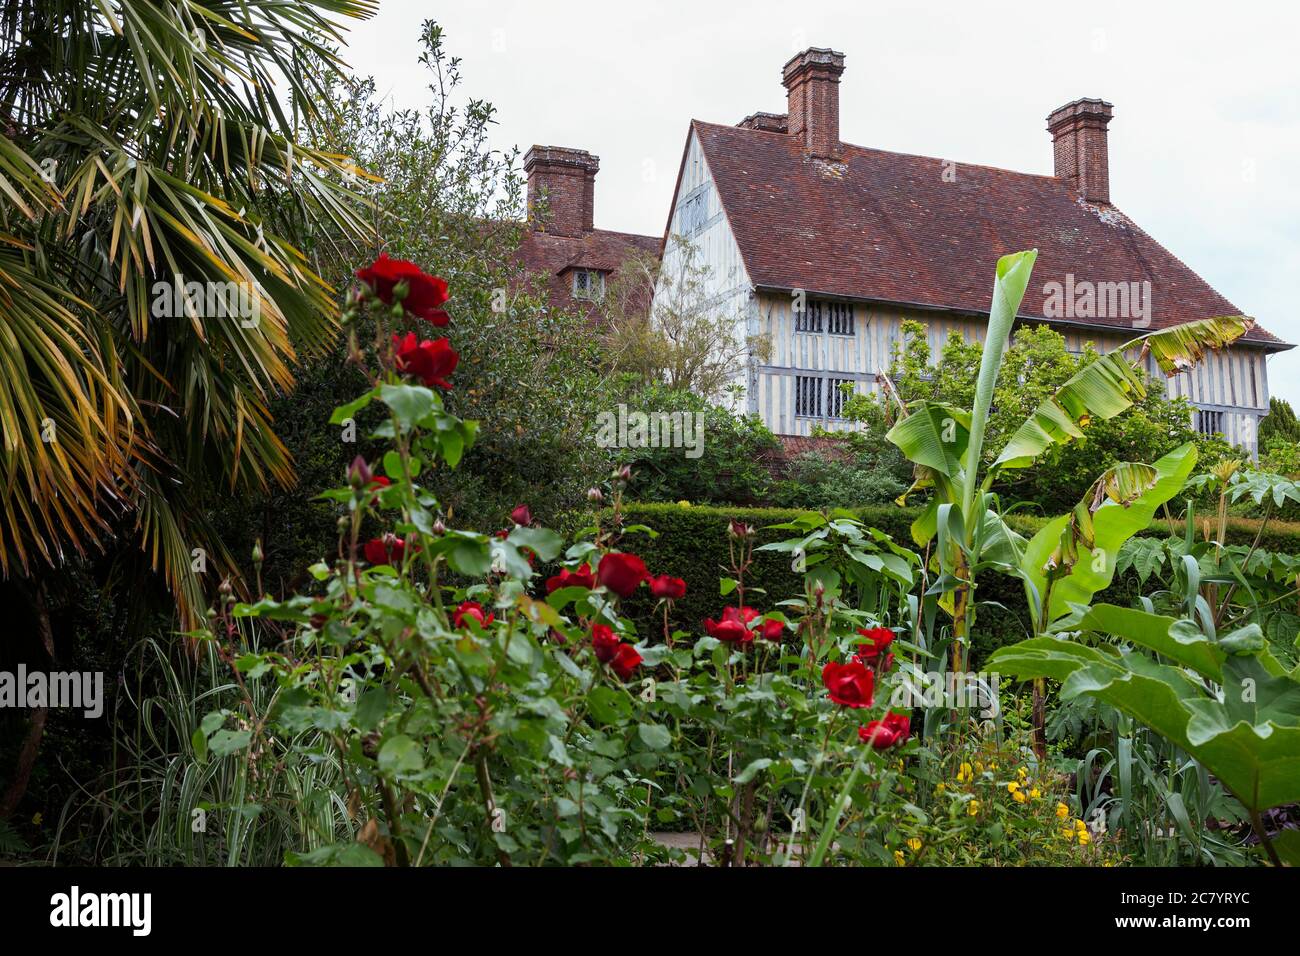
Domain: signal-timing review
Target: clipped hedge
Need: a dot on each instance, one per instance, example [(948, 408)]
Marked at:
[(692, 544)]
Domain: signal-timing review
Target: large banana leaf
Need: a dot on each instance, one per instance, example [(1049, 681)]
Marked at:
[(1077, 552), (1104, 388), (1250, 740), (1013, 272)]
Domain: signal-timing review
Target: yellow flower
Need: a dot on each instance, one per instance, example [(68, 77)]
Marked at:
[(993, 766), (1069, 835), (899, 858), (1034, 793), (914, 844), (1084, 838), (1013, 787), (973, 808), (979, 767), (1081, 826), (1018, 796), (963, 773), (939, 789), (1022, 773), (36, 819), (1062, 811)]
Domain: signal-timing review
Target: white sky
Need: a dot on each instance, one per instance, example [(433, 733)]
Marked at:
[(1204, 146)]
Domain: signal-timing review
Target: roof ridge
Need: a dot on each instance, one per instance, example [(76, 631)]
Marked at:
[(887, 152)]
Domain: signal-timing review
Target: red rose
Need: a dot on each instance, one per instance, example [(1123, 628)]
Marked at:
[(874, 654), (890, 732), (621, 573), (850, 685), (605, 642), (742, 615), (470, 610), (431, 362), (424, 293), (626, 660), (521, 515), (731, 630), (390, 549), (581, 578), (772, 630), (667, 587)]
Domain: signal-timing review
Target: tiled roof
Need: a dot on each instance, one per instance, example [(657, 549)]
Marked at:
[(601, 249), (887, 227)]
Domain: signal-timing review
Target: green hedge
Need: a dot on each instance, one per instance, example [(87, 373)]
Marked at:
[(692, 544)]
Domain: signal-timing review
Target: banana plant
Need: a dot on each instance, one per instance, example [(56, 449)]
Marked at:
[(1225, 700), (945, 443), (1074, 556)]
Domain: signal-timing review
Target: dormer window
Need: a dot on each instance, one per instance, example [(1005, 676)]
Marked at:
[(588, 284)]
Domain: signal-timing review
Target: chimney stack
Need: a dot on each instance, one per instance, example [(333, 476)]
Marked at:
[(1079, 147), (567, 178), (812, 83)]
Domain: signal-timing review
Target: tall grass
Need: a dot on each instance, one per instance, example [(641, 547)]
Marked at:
[(160, 805)]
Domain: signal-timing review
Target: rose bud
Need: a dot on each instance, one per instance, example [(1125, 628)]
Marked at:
[(359, 473)]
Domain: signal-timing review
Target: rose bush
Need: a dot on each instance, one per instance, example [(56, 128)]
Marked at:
[(479, 712)]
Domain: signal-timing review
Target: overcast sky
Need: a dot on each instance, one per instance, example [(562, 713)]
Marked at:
[(1204, 146)]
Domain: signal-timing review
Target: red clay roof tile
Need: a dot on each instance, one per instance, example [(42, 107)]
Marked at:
[(887, 227)]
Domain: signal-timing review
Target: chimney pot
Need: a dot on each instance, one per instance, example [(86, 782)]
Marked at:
[(567, 178), (768, 122), (812, 83), (1079, 147)]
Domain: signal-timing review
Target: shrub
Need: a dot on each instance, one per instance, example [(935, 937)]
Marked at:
[(819, 482), (731, 467)]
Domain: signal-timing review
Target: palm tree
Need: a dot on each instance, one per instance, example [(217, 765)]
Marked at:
[(157, 280)]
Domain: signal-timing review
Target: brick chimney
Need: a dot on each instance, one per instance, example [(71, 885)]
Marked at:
[(567, 178), (812, 83), (1079, 147)]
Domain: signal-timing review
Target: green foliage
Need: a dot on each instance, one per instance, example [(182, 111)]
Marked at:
[(147, 160), (1280, 422), (1247, 736), (731, 468), (453, 204), (864, 476), (1034, 366)]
